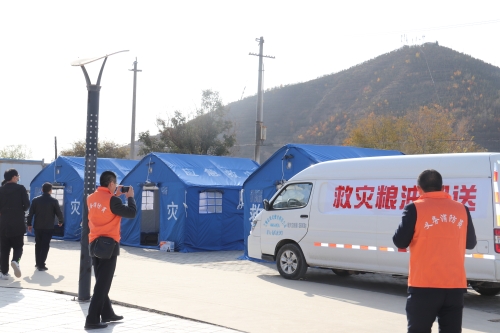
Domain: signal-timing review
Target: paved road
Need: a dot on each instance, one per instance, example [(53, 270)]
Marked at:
[(217, 288), (381, 283)]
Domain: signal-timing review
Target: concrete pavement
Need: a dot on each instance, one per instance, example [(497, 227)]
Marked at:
[(216, 288), (27, 310)]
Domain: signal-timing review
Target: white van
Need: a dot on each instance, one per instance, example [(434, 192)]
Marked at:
[(342, 215)]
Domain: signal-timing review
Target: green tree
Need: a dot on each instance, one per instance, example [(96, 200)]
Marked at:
[(430, 130), (205, 133), (17, 152), (105, 148)]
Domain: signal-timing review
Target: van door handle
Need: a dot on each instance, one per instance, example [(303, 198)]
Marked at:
[(304, 216)]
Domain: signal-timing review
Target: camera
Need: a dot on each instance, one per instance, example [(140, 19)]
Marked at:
[(124, 189)]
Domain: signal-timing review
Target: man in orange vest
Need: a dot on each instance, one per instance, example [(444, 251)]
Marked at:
[(105, 212), (438, 230)]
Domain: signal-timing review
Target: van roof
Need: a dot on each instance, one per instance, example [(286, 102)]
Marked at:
[(462, 165)]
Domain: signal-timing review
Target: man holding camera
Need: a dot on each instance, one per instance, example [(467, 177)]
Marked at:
[(105, 210)]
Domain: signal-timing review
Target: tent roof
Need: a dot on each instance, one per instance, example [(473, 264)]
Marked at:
[(119, 166), (206, 170), (320, 153)]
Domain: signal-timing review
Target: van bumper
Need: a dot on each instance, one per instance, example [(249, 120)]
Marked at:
[(254, 250), (497, 270)]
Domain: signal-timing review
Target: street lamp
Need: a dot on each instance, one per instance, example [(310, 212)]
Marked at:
[(90, 170)]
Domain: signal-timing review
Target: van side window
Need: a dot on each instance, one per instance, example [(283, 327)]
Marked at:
[(293, 196)]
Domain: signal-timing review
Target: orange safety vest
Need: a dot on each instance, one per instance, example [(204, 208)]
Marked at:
[(102, 222), (437, 249)]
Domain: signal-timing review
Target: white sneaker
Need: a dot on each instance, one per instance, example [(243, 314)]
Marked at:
[(15, 267), (4, 276)]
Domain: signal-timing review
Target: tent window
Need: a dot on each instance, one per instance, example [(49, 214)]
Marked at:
[(58, 193), (148, 200), (210, 203), (256, 196)]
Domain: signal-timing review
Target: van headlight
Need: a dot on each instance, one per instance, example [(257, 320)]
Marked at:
[(254, 224)]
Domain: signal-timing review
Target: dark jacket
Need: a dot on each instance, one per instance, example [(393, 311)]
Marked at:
[(14, 201), (45, 208)]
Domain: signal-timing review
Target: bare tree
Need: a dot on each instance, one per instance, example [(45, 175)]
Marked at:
[(17, 152), (105, 148), (205, 133)]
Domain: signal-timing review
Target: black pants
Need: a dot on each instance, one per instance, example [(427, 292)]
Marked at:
[(42, 245), (425, 304), (16, 243), (100, 305)]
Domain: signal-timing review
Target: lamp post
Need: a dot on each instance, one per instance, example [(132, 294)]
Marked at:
[(90, 171)]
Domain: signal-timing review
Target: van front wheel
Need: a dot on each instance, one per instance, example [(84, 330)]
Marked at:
[(291, 263)]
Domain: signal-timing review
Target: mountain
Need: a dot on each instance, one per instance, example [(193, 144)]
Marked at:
[(394, 83)]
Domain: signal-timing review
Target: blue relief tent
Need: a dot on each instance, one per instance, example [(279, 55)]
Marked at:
[(283, 165), (190, 200), (66, 175)]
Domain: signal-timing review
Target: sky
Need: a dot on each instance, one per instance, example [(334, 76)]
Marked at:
[(185, 47)]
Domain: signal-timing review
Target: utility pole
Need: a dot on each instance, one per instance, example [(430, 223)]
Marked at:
[(132, 135), (260, 130), (55, 147)]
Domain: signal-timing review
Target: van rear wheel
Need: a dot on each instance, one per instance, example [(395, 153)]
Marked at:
[(486, 291), (291, 263)]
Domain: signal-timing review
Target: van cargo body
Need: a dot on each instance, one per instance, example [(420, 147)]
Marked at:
[(342, 215)]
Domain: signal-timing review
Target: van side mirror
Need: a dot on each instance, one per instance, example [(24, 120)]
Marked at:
[(266, 204)]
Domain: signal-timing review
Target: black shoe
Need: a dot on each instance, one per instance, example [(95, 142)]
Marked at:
[(95, 326), (44, 268), (112, 318)]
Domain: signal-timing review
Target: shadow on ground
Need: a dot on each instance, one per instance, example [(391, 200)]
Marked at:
[(43, 279), (373, 284)]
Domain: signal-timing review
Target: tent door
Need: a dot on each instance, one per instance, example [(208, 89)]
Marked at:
[(209, 226), (58, 193), (150, 216)]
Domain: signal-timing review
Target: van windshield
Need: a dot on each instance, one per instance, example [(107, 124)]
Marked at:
[(293, 196)]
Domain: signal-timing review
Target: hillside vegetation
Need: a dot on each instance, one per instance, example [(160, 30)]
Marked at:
[(393, 84)]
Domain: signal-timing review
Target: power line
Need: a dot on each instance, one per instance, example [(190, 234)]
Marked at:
[(243, 93), (460, 25), (444, 27), (434, 84)]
